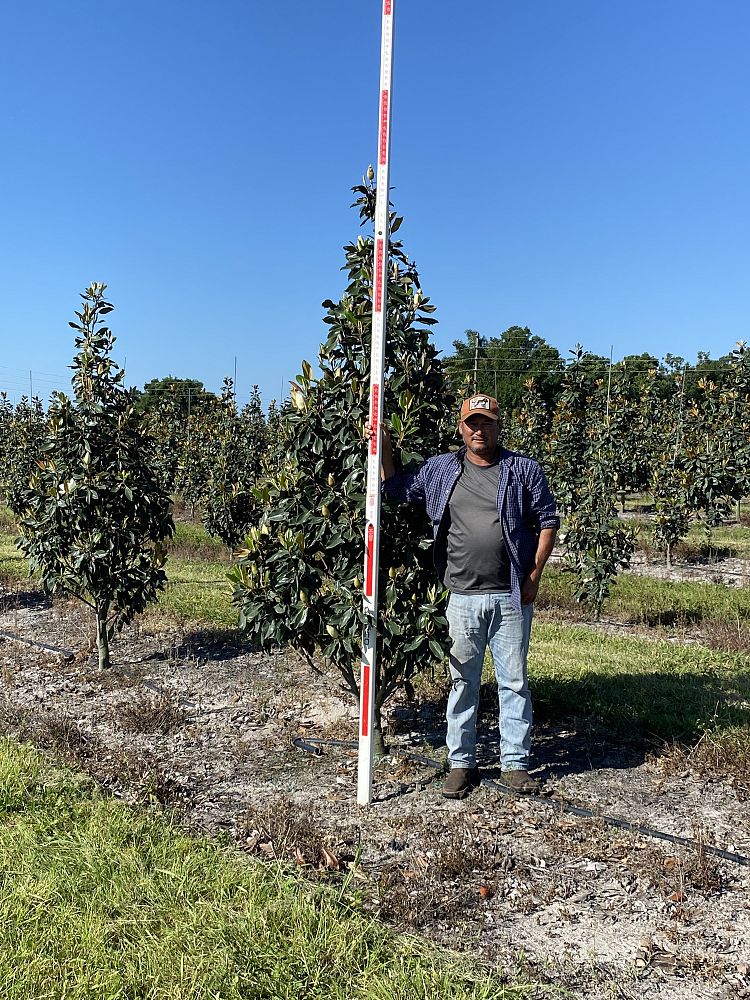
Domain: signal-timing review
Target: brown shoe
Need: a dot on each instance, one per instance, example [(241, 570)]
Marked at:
[(460, 781), (521, 782)]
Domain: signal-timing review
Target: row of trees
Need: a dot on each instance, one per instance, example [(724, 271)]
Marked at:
[(502, 365), (202, 448), (690, 452), (92, 480)]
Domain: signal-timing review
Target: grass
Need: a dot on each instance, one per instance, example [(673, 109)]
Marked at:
[(649, 601), (13, 566), (198, 591), (104, 902), (727, 540), (638, 688)]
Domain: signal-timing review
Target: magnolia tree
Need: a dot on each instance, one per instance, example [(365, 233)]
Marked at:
[(583, 471), (21, 431), (93, 517), (529, 432), (299, 581), (237, 450), (708, 462), (737, 420), (221, 459), (166, 424)]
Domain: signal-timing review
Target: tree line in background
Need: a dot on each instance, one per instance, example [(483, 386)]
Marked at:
[(93, 478), (602, 431), (501, 367)]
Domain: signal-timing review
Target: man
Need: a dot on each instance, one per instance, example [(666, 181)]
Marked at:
[(494, 521)]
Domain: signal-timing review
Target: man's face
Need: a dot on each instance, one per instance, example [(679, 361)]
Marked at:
[(480, 435)]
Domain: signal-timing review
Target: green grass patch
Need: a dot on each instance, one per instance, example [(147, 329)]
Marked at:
[(199, 593), (13, 565), (726, 540), (638, 688), (192, 541), (650, 601), (662, 602), (103, 902)]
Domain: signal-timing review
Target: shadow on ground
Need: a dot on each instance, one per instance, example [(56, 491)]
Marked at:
[(207, 644), (589, 723), (24, 600)]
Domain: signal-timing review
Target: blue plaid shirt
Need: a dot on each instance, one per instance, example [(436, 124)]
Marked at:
[(524, 503)]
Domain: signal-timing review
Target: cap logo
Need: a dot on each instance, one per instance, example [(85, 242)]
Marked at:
[(479, 403)]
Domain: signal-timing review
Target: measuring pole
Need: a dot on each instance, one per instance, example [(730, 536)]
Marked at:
[(372, 506)]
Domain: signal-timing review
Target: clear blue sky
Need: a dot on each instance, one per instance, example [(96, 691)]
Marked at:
[(579, 167)]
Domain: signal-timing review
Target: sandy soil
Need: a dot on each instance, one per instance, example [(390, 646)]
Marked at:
[(204, 725)]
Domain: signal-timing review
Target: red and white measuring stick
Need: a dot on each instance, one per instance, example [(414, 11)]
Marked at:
[(372, 507)]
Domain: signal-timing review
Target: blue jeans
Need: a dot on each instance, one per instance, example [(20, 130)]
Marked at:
[(476, 621)]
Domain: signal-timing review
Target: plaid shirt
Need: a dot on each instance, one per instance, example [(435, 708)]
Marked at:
[(524, 503)]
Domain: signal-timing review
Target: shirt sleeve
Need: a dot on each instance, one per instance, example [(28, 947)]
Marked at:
[(406, 487), (543, 507)]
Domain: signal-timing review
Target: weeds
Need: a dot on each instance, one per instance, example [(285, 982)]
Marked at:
[(149, 714), (123, 772), (452, 873), (282, 831), (691, 871), (717, 756)]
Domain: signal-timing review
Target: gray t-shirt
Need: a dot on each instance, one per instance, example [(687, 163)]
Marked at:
[(477, 557)]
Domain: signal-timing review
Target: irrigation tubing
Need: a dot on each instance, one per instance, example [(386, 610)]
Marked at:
[(314, 746), (559, 805), (67, 653)]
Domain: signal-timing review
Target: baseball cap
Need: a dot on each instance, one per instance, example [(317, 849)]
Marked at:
[(486, 405)]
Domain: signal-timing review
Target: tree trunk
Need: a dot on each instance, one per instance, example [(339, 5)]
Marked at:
[(669, 556), (379, 748), (102, 638)]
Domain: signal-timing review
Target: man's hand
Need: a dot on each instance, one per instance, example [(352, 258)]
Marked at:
[(529, 589), (530, 585), (387, 466)]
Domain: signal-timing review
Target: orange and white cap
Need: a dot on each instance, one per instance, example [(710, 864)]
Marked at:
[(486, 405)]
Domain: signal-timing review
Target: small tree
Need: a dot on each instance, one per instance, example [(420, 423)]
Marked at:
[(584, 467), (300, 579), (21, 431), (709, 462), (93, 517), (235, 445), (529, 432)]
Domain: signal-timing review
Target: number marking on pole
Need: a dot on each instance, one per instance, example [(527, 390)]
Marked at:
[(368, 677)]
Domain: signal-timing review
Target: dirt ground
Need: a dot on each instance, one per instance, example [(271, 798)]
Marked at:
[(204, 725)]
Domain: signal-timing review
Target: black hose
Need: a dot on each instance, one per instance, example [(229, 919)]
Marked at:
[(622, 824), (314, 745), (67, 653)]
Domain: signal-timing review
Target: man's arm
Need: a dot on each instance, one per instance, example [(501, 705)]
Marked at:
[(404, 487), (530, 584)]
